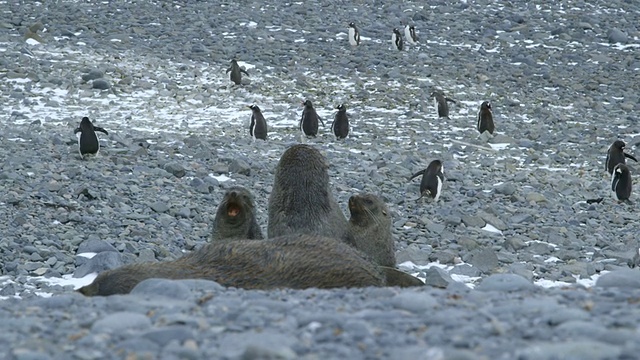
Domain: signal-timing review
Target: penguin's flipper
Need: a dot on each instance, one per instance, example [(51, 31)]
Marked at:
[(229, 69), (244, 71), (630, 157), (450, 100), (319, 118), (421, 172), (77, 130), (98, 128)]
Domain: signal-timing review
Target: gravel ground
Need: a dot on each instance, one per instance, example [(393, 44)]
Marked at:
[(512, 220)]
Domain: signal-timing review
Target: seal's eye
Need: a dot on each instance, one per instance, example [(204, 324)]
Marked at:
[(384, 213)]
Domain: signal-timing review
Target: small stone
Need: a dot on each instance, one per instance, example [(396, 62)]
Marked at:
[(506, 189), (159, 206), (473, 221), (485, 260), (437, 277), (121, 321), (176, 169), (239, 166), (505, 282), (93, 75), (625, 278), (617, 36), (101, 84), (105, 260), (414, 302)]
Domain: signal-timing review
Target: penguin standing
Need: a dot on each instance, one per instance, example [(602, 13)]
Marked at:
[(432, 180), (410, 34), (309, 120), (88, 143), (236, 72), (258, 127), (616, 155), (441, 103), (621, 182), (354, 35), (340, 126), (396, 39), (485, 118)]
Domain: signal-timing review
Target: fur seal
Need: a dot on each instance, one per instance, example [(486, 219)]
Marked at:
[(88, 143), (293, 261), (236, 72), (616, 155), (410, 34), (301, 200), (485, 118), (441, 103), (370, 228), (354, 35), (236, 217), (258, 127), (340, 126), (621, 182), (432, 180), (309, 120), (396, 39)]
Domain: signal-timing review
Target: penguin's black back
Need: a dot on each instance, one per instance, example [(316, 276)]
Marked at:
[(88, 141), (615, 155), (485, 118), (341, 123), (309, 120), (258, 127), (621, 182), (430, 178)]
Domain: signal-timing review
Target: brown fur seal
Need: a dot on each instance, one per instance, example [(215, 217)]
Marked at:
[(236, 217), (293, 261), (370, 228), (301, 200)]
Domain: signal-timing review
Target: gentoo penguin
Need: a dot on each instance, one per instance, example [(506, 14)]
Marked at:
[(309, 120), (432, 180), (354, 35), (616, 155), (236, 72), (441, 103), (258, 127), (621, 182), (396, 39), (340, 126), (410, 34), (485, 118), (88, 143)]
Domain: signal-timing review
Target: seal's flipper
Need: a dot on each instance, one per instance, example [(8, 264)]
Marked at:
[(399, 278)]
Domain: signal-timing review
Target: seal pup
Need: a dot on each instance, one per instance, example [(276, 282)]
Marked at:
[(485, 118), (441, 103), (88, 143), (236, 72), (621, 182), (354, 35), (616, 155), (258, 126), (432, 180), (396, 39), (309, 120), (236, 217), (410, 34), (340, 126), (370, 228), (301, 200), (294, 261)]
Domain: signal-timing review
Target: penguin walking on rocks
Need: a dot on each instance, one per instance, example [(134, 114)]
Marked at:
[(309, 120), (88, 143), (354, 35), (616, 155), (340, 126), (258, 126), (485, 118), (621, 182), (236, 72), (410, 34), (441, 103), (432, 180), (396, 39)]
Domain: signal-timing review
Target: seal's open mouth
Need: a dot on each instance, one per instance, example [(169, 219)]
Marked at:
[(233, 210)]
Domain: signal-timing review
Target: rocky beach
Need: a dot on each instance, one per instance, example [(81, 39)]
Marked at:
[(518, 263)]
